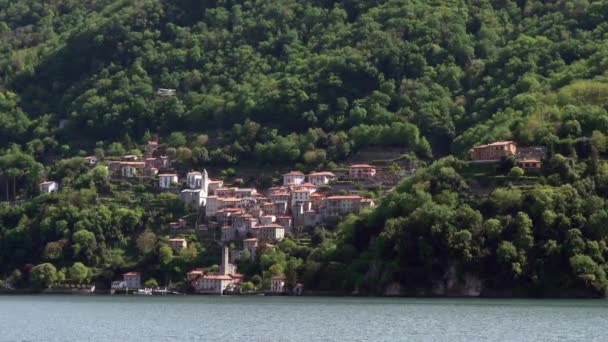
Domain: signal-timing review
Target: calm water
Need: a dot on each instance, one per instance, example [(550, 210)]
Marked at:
[(134, 319)]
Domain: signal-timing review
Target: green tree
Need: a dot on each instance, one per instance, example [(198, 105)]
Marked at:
[(43, 275), (78, 273)]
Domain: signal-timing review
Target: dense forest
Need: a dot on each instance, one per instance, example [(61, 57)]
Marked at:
[(305, 84)]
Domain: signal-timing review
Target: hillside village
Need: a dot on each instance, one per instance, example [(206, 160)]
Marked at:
[(250, 219), (246, 217)]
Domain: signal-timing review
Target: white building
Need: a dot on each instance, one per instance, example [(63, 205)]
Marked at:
[(194, 180), (272, 232), (48, 187), (90, 160), (167, 180), (164, 92), (214, 283), (293, 177), (277, 284), (321, 178), (178, 244)]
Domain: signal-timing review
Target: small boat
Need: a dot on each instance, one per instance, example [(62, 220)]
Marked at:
[(143, 292)]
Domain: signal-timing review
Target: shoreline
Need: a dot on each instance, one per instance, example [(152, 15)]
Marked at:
[(85, 293)]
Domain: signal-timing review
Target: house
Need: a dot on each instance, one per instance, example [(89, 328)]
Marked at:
[(178, 244), (167, 180), (164, 92), (321, 178), (245, 192), (213, 185), (302, 195), (90, 160), (530, 164), (272, 232), (293, 177), (494, 151), (277, 284), (341, 205), (361, 172), (48, 187), (213, 284), (132, 280), (194, 274), (132, 169), (267, 219), (225, 192)]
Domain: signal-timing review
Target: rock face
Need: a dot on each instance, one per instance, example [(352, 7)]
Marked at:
[(393, 289), (468, 285)]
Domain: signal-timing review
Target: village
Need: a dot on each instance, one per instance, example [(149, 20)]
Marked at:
[(251, 220)]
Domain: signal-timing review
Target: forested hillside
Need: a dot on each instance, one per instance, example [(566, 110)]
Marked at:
[(286, 83)]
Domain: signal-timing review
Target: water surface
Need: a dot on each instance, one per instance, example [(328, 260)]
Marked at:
[(199, 318)]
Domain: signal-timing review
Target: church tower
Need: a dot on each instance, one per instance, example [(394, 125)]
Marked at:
[(204, 188)]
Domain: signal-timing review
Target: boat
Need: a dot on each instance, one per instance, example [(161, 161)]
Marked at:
[(143, 292)]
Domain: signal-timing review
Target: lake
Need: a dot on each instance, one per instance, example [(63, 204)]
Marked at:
[(199, 318)]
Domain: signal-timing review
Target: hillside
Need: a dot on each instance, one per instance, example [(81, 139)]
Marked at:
[(280, 84)]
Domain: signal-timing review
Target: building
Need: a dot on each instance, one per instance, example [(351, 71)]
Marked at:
[(194, 180), (530, 164), (277, 284), (132, 169), (194, 274), (342, 205), (213, 185), (272, 232), (302, 195), (178, 244), (214, 284), (132, 280), (48, 187), (164, 92), (494, 151), (245, 192), (293, 177), (167, 180), (90, 160), (361, 172), (321, 178)]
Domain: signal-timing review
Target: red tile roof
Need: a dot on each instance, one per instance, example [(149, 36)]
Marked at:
[(294, 173), (132, 274), (355, 197), (217, 277), (497, 143), (323, 173)]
